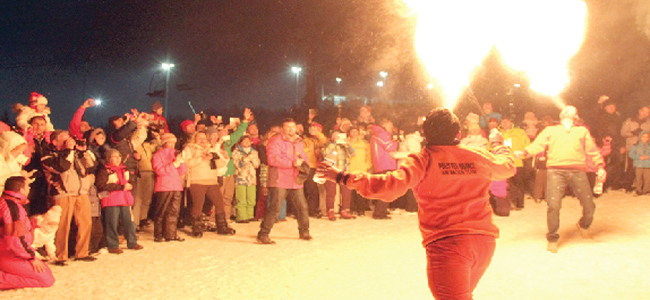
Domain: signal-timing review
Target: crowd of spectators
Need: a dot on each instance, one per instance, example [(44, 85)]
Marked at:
[(111, 184)]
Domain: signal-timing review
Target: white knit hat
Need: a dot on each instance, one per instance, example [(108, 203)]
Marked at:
[(167, 137), (472, 118)]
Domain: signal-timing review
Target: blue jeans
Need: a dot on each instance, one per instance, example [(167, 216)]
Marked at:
[(283, 209), (297, 198), (557, 181), (113, 215)]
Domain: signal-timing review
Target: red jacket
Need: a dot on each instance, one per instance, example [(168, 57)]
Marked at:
[(160, 120), (76, 123), (168, 177), (281, 154), (451, 186), (112, 179)]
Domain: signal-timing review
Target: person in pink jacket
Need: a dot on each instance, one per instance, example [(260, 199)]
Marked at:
[(168, 188), (19, 267), (285, 153), (451, 186), (381, 147), (114, 185)]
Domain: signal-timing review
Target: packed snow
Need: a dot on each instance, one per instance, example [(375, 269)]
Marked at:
[(374, 259)]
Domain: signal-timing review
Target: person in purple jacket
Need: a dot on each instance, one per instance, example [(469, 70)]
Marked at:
[(382, 146), (168, 189), (285, 153), (19, 267)]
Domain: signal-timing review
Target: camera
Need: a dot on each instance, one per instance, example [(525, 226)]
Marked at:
[(213, 161)]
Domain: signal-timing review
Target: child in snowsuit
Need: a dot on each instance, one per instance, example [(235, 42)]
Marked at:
[(246, 162)]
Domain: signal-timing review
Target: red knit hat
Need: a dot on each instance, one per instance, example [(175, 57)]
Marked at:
[(37, 98), (186, 123)]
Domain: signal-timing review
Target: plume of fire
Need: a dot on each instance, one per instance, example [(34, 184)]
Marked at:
[(536, 37)]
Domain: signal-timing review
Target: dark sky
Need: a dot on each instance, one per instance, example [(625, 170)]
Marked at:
[(240, 52)]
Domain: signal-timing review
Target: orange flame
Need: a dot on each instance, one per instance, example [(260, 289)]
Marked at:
[(536, 37)]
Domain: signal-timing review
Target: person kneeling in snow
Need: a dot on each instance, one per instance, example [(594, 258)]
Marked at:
[(19, 267), (451, 186)]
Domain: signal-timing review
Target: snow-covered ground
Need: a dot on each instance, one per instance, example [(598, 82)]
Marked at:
[(372, 259)]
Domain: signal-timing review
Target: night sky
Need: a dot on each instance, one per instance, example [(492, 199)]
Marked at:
[(240, 53)]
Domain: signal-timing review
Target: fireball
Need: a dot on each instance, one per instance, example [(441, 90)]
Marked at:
[(534, 37)]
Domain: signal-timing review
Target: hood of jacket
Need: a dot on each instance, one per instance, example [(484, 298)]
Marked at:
[(9, 140)]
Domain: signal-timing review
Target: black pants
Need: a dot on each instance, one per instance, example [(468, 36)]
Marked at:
[(297, 198), (381, 207), (311, 194), (37, 197), (168, 206), (96, 235), (358, 203)]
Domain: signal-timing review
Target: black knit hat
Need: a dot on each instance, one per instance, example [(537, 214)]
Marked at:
[(441, 127)]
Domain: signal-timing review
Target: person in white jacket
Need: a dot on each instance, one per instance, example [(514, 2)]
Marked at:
[(474, 138), (37, 107), (12, 157), (411, 143), (204, 162)]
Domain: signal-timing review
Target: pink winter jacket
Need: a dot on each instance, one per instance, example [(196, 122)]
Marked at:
[(16, 236), (168, 177), (381, 145), (281, 154), (112, 179)]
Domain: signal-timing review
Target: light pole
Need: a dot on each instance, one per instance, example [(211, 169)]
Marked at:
[(296, 70), (167, 67), (338, 81)]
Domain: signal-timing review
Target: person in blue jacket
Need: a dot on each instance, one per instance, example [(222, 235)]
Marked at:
[(640, 155)]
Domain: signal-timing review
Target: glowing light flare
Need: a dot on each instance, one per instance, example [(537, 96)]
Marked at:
[(551, 33), (453, 37), (451, 47)]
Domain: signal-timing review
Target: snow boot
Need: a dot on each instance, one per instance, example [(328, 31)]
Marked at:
[(331, 215), (304, 235), (345, 214), (197, 226), (222, 225)]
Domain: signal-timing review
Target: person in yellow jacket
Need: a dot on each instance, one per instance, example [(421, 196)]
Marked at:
[(569, 146), (361, 162), (517, 139)]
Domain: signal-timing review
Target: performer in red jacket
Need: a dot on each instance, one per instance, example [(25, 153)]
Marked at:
[(451, 185)]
